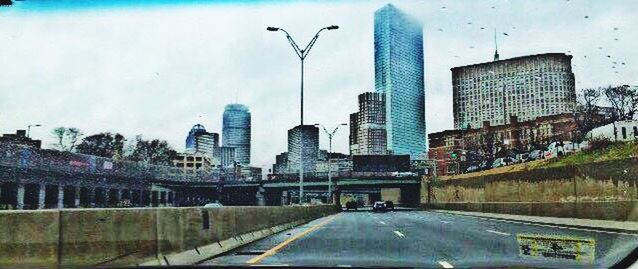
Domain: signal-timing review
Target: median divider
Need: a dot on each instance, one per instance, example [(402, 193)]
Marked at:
[(138, 236)]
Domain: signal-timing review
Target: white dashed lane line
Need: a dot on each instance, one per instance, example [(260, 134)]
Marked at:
[(445, 264), (497, 232), (382, 222), (446, 222), (399, 234)]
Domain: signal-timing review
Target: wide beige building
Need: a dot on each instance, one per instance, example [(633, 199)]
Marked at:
[(526, 87)]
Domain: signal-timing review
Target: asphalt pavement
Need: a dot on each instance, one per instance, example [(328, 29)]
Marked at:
[(432, 240)]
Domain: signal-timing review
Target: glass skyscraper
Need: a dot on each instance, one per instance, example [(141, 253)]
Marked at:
[(236, 131), (398, 66)]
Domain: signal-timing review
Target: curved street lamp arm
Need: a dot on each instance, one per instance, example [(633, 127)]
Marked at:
[(293, 44), (305, 51)]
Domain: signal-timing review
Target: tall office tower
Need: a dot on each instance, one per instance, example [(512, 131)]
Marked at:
[(226, 156), (236, 131), (200, 141), (310, 149), (398, 66), (353, 137), (527, 87), (368, 127)]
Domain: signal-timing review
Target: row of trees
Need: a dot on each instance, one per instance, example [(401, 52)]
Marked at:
[(621, 103), (595, 107), (114, 145)]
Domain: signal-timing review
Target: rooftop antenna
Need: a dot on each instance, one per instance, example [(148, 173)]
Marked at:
[(495, 46)]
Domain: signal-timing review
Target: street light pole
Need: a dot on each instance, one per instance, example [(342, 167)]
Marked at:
[(302, 53), (29, 128), (330, 135)]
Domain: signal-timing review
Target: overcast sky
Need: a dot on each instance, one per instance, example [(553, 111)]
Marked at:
[(158, 69)]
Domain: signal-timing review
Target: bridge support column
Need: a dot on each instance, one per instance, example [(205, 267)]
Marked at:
[(20, 196), (77, 191), (92, 197), (261, 200), (42, 195), (171, 198), (284, 197), (107, 197), (118, 196), (60, 196), (150, 198)]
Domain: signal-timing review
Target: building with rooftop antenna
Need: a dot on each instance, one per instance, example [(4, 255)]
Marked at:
[(526, 87)]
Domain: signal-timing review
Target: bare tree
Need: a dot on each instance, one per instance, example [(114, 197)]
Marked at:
[(624, 101), (66, 138), (587, 115)]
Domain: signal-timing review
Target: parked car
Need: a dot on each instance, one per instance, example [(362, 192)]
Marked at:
[(351, 205), (213, 205), (555, 149), (500, 162), (536, 154), (379, 207), (389, 205), (522, 157), (472, 168)]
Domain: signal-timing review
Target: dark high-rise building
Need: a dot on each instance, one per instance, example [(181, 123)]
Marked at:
[(236, 131), (398, 65), (310, 150), (527, 87), (281, 164), (200, 141)]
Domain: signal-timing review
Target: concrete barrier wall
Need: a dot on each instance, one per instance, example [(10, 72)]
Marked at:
[(90, 237), (616, 210)]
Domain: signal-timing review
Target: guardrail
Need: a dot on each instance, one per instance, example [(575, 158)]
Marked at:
[(25, 157), (321, 176)]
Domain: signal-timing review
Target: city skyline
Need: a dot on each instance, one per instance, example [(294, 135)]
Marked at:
[(116, 105)]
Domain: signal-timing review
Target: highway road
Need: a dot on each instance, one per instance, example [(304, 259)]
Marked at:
[(428, 239)]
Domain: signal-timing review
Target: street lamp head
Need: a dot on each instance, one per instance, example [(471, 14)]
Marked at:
[(37, 125), (272, 29), (332, 27), (343, 124)]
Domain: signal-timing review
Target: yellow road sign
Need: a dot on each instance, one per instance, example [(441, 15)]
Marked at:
[(556, 247)]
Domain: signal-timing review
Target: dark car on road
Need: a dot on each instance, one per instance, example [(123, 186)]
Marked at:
[(351, 205), (379, 207), (389, 205)]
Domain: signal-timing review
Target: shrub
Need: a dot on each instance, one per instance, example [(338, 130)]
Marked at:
[(599, 143)]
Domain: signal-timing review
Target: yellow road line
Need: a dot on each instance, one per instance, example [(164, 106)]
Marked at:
[(274, 250)]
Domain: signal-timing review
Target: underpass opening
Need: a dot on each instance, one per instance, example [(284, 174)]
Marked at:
[(69, 197), (8, 195), (51, 196), (31, 195)]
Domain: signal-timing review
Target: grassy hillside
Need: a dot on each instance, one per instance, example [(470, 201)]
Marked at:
[(618, 150)]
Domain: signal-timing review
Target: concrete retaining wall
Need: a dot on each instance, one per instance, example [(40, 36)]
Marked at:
[(617, 210), (90, 237)]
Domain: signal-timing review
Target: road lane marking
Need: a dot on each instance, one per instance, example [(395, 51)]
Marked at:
[(281, 245), (446, 222), (399, 234), (539, 224), (446, 264), (382, 222), (497, 232)]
